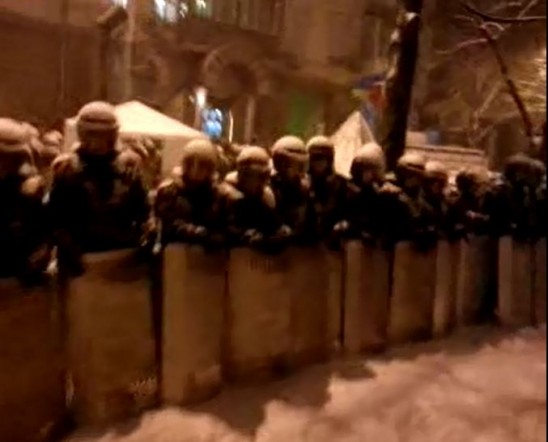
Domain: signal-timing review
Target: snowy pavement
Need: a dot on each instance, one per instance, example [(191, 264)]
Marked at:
[(482, 386)]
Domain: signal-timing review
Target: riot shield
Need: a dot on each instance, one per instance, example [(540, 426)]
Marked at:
[(258, 314), (539, 282), (445, 300), (194, 290), (473, 279), (413, 290), (32, 375), (515, 288), (335, 266), (308, 281), (367, 294), (111, 338)]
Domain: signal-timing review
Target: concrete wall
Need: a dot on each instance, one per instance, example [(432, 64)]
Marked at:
[(35, 83), (349, 33), (80, 12)]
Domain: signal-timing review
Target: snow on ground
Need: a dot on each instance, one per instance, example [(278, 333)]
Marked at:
[(481, 386)]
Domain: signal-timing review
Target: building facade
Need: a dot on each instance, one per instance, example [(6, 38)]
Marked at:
[(262, 67), (49, 52), (267, 66)]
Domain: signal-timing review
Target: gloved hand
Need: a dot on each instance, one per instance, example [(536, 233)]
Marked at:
[(191, 233), (252, 237), (368, 239), (199, 232), (341, 227), (335, 238)]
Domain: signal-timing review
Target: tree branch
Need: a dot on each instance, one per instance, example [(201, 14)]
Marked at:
[(499, 19), (512, 88), (474, 20)]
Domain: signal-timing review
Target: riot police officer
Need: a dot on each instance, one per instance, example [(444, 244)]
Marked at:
[(98, 201), (407, 216), (327, 189), (441, 197), (471, 203), (363, 195), (290, 183), (253, 219), (514, 198), (191, 207), (24, 234)]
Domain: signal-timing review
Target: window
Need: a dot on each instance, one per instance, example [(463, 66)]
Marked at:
[(122, 3), (167, 10), (202, 8), (172, 10)]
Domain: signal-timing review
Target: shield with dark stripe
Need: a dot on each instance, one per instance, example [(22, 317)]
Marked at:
[(111, 338)]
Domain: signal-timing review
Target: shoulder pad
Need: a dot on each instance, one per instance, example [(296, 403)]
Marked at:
[(232, 178), (167, 185), (268, 197), (65, 164), (164, 193), (177, 172), (389, 188), (228, 190), (34, 187), (497, 185), (75, 147)]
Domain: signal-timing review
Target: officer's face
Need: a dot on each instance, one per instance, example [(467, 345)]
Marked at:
[(321, 161), (290, 170), (412, 180), (436, 185), (367, 176), (296, 170), (198, 170), (252, 181), (100, 143)]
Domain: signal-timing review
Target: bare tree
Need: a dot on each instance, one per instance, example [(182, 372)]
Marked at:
[(487, 29), (485, 72), (492, 18)]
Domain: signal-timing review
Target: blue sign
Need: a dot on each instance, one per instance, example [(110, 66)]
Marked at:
[(212, 123)]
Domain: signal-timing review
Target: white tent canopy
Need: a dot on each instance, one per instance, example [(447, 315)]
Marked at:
[(355, 132), (138, 120), (349, 138)]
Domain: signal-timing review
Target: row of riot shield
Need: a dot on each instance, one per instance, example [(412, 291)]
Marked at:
[(132, 338), (243, 315), (407, 294), (522, 282), (32, 375)]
